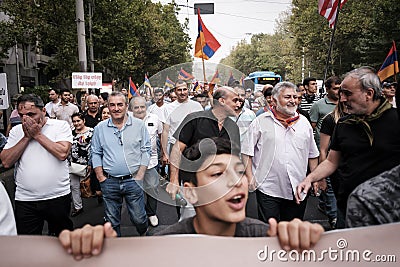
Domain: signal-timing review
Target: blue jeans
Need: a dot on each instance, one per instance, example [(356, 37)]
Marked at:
[(327, 199), (114, 191)]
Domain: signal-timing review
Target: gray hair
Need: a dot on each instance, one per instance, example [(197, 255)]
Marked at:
[(117, 93), (367, 79), (134, 99), (280, 86)]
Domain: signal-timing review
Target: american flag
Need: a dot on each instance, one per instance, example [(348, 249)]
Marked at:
[(328, 9)]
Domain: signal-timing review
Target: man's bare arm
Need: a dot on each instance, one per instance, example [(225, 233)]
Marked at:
[(324, 169), (11, 155), (175, 160), (164, 143)]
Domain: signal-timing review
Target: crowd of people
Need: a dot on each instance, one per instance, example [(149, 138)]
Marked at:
[(285, 142)]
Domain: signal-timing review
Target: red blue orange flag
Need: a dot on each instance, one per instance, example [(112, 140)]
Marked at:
[(169, 83), (133, 91), (206, 44), (328, 9), (215, 79), (231, 79), (390, 66), (184, 75), (146, 81), (241, 81)]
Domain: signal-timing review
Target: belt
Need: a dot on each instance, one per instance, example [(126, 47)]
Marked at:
[(129, 176)]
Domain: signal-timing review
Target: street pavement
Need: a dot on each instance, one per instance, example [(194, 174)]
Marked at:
[(94, 212)]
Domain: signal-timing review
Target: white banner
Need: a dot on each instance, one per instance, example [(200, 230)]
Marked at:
[(87, 80), (3, 91), (366, 246)]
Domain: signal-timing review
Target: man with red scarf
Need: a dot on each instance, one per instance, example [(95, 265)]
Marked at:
[(278, 146)]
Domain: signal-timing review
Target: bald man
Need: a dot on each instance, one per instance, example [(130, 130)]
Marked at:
[(205, 124), (92, 114)]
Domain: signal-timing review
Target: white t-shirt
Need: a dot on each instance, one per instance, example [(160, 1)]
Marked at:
[(175, 112), (7, 222), (49, 107), (154, 127), (39, 174), (154, 109)]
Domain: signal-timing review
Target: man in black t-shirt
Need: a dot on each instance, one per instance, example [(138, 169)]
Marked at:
[(204, 124), (92, 114), (364, 143)]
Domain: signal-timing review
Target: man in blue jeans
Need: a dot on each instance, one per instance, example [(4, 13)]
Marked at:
[(120, 155)]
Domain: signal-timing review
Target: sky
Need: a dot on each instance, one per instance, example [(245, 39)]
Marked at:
[(233, 20)]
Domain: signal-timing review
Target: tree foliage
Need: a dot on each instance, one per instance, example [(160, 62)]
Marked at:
[(130, 37), (363, 37)]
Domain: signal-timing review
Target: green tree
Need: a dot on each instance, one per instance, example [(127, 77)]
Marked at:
[(131, 37)]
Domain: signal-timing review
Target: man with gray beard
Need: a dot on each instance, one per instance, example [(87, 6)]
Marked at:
[(276, 150)]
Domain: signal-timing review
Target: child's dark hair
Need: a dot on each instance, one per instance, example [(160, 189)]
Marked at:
[(194, 156), (80, 115)]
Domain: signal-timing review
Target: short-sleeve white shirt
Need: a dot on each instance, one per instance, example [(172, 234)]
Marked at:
[(294, 145), (175, 112), (154, 127), (39, 174)]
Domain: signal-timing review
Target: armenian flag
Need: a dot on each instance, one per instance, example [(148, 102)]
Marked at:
[(390, 66), (183, 75), (215, 79), (146, 81), (206, 44), (241, 81), (231, 79), (169, 83), (133, 91)]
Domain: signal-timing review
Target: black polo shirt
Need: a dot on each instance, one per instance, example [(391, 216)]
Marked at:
[(91, 121), (359, 160), (203, 124)]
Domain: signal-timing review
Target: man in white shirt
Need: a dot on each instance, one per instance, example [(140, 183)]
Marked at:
[(173, 115), (54, 100), (157, 107), (7, 221), (39, 147), (151, 177), (276, 150)]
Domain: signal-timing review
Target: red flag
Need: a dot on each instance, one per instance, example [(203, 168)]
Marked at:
[(328, 9)]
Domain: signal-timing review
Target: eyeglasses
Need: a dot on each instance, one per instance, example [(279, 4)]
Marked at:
[(118, 134)]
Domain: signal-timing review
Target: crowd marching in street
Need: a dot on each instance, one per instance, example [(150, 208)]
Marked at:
[(209, 149)]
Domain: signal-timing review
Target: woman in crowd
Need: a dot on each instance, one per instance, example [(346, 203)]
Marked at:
[(79, 157)]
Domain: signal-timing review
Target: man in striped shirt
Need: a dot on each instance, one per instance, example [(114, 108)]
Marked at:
[(311, 96)]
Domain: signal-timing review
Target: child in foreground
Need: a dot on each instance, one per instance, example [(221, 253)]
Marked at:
[(214, 182)]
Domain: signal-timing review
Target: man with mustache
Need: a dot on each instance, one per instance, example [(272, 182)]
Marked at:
[(121, 152), (278, 146)]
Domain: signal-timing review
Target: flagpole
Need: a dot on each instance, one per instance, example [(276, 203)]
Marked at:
[(328, 59), (395, 73)]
